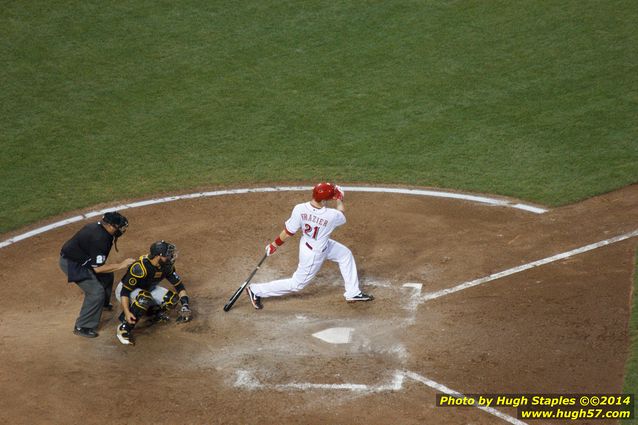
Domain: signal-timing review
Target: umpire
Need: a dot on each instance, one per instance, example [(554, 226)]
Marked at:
[(83, 259)]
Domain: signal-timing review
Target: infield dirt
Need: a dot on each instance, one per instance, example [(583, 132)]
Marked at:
[(558, 328)]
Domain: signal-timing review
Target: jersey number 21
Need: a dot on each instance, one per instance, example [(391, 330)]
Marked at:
[(311, 231)]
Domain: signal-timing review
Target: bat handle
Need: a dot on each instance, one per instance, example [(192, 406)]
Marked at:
[(237, 293)]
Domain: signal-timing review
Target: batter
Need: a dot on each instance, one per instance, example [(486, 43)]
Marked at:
[(316, 222)]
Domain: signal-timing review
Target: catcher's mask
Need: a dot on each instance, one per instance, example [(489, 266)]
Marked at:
[(323, 191), (164, 249), (118, 221)]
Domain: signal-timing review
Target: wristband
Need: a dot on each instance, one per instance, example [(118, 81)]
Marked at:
[(184, 300), (278, 241)]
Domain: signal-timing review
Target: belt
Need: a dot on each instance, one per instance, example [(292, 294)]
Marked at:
[(310, 247)]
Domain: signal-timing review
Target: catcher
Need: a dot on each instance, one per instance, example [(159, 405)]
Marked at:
[(141, 295)]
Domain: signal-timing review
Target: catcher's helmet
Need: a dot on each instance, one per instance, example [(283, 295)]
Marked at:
[(116, 220), (163, 249), (323, 191)]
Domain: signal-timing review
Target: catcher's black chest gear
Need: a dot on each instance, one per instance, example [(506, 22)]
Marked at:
[(144, 275)]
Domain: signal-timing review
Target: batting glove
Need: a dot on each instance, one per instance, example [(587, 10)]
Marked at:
[(339, 193), (270, 249)]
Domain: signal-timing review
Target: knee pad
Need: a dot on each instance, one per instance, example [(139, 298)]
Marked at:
[(143, 301), (170, 300)]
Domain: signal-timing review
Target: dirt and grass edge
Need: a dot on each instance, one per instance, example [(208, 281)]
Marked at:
[(631, 368)]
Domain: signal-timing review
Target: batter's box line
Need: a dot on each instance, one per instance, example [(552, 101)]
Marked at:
[(246, 380), (533, 264), (409, 303)]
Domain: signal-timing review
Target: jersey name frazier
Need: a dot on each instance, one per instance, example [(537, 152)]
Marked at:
[(313, 219)]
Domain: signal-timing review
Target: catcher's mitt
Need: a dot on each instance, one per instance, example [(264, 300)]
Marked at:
[(185, 314)]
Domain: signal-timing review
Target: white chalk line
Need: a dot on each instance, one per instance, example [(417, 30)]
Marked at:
[(533, 264), (443, 389), (415, 298), (246, 380), (397, 383), (431, 193), (413, 302)]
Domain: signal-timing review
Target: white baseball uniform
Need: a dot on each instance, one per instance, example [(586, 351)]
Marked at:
[(158, 292), (315, 246)]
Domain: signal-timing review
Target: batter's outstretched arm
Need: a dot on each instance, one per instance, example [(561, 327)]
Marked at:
[(284, 235), (272, 247)]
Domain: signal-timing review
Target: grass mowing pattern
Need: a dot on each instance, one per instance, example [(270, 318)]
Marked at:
[(110, 100)]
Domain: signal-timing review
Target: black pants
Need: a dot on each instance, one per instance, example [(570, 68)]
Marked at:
[(97, 293), (106, 279)]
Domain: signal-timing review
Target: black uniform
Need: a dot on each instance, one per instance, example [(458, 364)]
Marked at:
[(150, 299), (89, 248), (145, 276)]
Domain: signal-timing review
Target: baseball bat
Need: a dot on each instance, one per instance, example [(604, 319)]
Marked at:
[(239, 290)]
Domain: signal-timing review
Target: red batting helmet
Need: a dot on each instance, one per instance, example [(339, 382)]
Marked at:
[(323, 191)]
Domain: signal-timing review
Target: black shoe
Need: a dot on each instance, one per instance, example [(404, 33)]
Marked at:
[(125, 335), (254, 299), (360, 297), (85, 332)]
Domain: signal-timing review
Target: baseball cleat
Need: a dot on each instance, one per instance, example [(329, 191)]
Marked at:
[(124, 335), (85, 332), (254, 299), (360, 297)]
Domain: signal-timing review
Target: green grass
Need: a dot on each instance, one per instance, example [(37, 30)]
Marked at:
[(114, 99), (110, 100), (631, 369)]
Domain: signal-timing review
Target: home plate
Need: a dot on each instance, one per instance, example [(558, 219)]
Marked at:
[(335, 335)]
